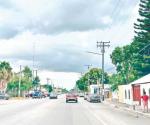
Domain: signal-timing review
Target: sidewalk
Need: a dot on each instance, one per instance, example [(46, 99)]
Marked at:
[(11, 100), (130, 108)]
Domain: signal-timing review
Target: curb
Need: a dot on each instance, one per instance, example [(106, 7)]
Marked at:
[(136, 112), (128, 109)]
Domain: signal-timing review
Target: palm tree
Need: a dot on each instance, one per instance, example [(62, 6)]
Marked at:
[(5, 75)]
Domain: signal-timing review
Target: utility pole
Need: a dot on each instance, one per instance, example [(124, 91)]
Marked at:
[(35, 73), (20, 75), (102, 46)]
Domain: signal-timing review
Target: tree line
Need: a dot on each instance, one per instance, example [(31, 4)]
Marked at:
[(10, 80)]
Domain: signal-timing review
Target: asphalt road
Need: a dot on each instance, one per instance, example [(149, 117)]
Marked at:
[(58, 112)]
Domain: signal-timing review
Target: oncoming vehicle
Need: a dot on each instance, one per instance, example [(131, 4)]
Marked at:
[(4, 96), (71, 97)]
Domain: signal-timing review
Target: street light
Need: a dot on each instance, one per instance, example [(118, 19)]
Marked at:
[(94, 53)]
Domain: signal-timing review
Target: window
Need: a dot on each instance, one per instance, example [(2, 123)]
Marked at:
[(129, 94), (125, 94)]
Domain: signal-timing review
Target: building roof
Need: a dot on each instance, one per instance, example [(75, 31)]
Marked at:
[(143, 80)]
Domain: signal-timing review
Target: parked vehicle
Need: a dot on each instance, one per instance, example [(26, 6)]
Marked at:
[(85, 96), (94, 98), (27, 95), (71, 97), (81, 94), (94, 93), (53, 95), (37, 94), (4, 96)]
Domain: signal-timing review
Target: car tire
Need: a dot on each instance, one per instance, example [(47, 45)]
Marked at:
[(90, 101)]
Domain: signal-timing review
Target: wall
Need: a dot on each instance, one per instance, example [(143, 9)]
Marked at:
[(121, 93), (125, 97)]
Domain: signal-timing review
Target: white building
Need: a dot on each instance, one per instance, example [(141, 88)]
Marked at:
[(131, 93)]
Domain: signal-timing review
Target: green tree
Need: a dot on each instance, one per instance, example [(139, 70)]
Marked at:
[(36, 81), (5, 71), (92, 77), (130, 64), (27, 72), (49, 88), (142, 38), (122, 58), (26, 81)]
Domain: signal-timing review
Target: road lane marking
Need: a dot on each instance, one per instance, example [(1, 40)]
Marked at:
[(89, 106)]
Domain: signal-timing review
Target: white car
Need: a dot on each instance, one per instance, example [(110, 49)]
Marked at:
[(53, 95)]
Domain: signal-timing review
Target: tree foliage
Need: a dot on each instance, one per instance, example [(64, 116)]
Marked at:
[(94, 76), (130, 63), (49, 88), (5, 71), (36, 81), (26, 81)]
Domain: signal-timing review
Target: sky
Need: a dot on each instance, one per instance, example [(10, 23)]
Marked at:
[(57, 34)]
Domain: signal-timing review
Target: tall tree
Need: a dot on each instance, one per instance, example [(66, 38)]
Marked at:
[(142, 38), (27, 72), (5, 74), (129, 62), (26, 81)]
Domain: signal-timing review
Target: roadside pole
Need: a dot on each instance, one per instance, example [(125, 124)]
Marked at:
[(88, 66), (102, 46), (20, 76)]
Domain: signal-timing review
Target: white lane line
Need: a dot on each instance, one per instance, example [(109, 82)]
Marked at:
[(95, 115)]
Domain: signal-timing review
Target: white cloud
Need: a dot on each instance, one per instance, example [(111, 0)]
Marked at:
[(62, 32), (107, 20), (57, 16), (59, 79)]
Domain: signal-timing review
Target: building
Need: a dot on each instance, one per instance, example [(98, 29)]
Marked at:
[(131, 93)]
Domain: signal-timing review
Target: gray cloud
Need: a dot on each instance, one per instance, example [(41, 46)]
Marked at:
[(62, 49), (53, 17)]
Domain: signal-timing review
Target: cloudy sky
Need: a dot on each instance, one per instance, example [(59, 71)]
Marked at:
[(59, 32)]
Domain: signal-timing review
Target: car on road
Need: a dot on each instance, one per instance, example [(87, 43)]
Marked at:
[(71, 97), (81, 94), (53, 95), (94, 98), (37, 94), (85, 96), (4, 96)]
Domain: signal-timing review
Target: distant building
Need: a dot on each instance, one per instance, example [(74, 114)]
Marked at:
[(58, 90)]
